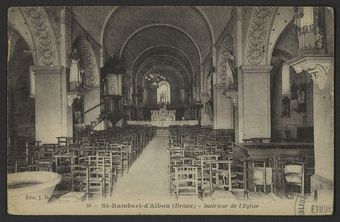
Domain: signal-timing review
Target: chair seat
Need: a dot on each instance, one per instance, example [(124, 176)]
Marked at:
[(95, 180), (44, 161)]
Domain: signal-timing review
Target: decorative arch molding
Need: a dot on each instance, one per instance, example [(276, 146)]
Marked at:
[(198, 9), (42, 34), (161, 25), (88, 60), (258, 34)]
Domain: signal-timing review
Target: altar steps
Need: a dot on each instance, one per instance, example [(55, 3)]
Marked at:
[(162, 132)]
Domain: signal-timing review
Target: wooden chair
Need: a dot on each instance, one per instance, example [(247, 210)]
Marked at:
[(208, 172), (96, 180), (63, 162), (64, 141), (224, 174), (101, 144), (104, 158), (79, 184), (295, 175), (117, 158), (79, 177), (186, 180), (294, 172), (126, 157), (44, 158), (262, 175)]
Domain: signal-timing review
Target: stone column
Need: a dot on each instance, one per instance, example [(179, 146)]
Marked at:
[(53, 116), (223, 109), (232, 96), (254, 102), (323, 106), (321, 69)]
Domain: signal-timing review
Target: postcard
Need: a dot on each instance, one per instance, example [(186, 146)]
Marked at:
[(170, 110)]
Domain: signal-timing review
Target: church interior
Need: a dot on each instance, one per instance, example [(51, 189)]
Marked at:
[(207, 102)]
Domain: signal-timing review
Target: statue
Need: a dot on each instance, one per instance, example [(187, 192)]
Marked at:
[(231, 76), (75, 71)]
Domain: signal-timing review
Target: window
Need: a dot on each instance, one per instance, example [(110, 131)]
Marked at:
[(163, 93)]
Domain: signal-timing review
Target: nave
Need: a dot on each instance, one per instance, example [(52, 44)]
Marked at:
[(195, 103)]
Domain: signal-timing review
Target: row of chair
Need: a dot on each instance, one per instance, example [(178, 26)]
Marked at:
[(198, 160), (201, 159), (90, 164)]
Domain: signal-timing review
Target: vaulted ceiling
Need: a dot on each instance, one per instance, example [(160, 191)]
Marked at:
[(180, 37), (186, 20), (175, 38)]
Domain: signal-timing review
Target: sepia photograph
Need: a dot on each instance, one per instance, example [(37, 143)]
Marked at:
[(170, 110)]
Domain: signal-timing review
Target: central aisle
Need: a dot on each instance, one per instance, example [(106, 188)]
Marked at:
[(147, 178)]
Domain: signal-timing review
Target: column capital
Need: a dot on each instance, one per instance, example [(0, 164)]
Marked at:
[(256, 68), (315, 65), (47, 70)]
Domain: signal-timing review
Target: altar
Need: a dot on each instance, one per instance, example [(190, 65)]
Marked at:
[(163, 114), (163, 123), (163, 118)]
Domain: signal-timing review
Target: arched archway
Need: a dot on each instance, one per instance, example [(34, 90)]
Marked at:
[(90, 66), (291, 94), (163, 93), (264, 27), (20, 100)]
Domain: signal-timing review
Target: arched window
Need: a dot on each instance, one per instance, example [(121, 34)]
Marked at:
[(163, 93)]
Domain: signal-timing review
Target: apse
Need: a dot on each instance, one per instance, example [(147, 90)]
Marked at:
[(156, 39)]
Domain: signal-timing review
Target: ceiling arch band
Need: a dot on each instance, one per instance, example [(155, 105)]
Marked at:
[(165, 46), (154, 58), (198, 9), (161, 25)]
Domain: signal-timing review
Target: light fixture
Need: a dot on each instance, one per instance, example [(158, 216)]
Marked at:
[(154, 78)]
